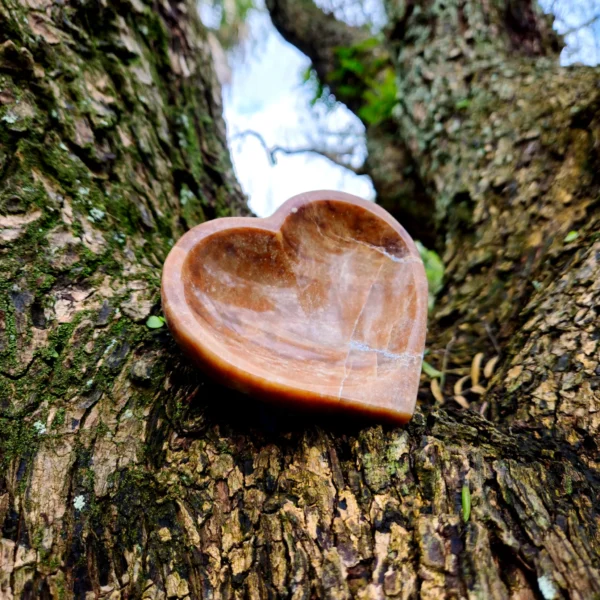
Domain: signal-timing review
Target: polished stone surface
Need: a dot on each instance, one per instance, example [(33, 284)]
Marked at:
[(322, 305)]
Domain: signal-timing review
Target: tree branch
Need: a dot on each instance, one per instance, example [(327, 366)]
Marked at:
[(318, 35), (337, 158), (581, 26)]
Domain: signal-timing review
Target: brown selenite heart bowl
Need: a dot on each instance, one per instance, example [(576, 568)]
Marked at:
[(322, 305)]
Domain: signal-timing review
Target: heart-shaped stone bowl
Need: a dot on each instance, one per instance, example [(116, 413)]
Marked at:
[(322, 305)]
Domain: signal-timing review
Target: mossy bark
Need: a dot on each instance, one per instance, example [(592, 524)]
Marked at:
[(126, 474)]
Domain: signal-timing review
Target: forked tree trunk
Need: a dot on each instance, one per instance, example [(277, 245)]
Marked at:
[(126, 475)]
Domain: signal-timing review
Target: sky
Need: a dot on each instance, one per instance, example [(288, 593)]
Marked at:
[(266, 95)]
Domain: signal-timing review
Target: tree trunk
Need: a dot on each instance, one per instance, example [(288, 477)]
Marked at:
[(126, 474)]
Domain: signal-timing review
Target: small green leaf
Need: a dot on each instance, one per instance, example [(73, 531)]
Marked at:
[(380, 99), (307, 75), (466, 502), (53, 353), (571, 236), (434, 270), (352, 65), (155, 322), (348, 90), (369, 43), (430, 371), (344, 51), (462, 104)]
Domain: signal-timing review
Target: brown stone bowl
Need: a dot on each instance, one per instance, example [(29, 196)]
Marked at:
[(322, 305)]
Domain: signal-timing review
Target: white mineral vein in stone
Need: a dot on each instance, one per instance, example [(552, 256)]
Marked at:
[(404, 357), (354, 330)]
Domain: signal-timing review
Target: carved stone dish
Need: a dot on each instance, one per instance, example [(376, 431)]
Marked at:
[(322, 305)]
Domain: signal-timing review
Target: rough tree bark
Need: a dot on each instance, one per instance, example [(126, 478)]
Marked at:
[(125, 474)]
